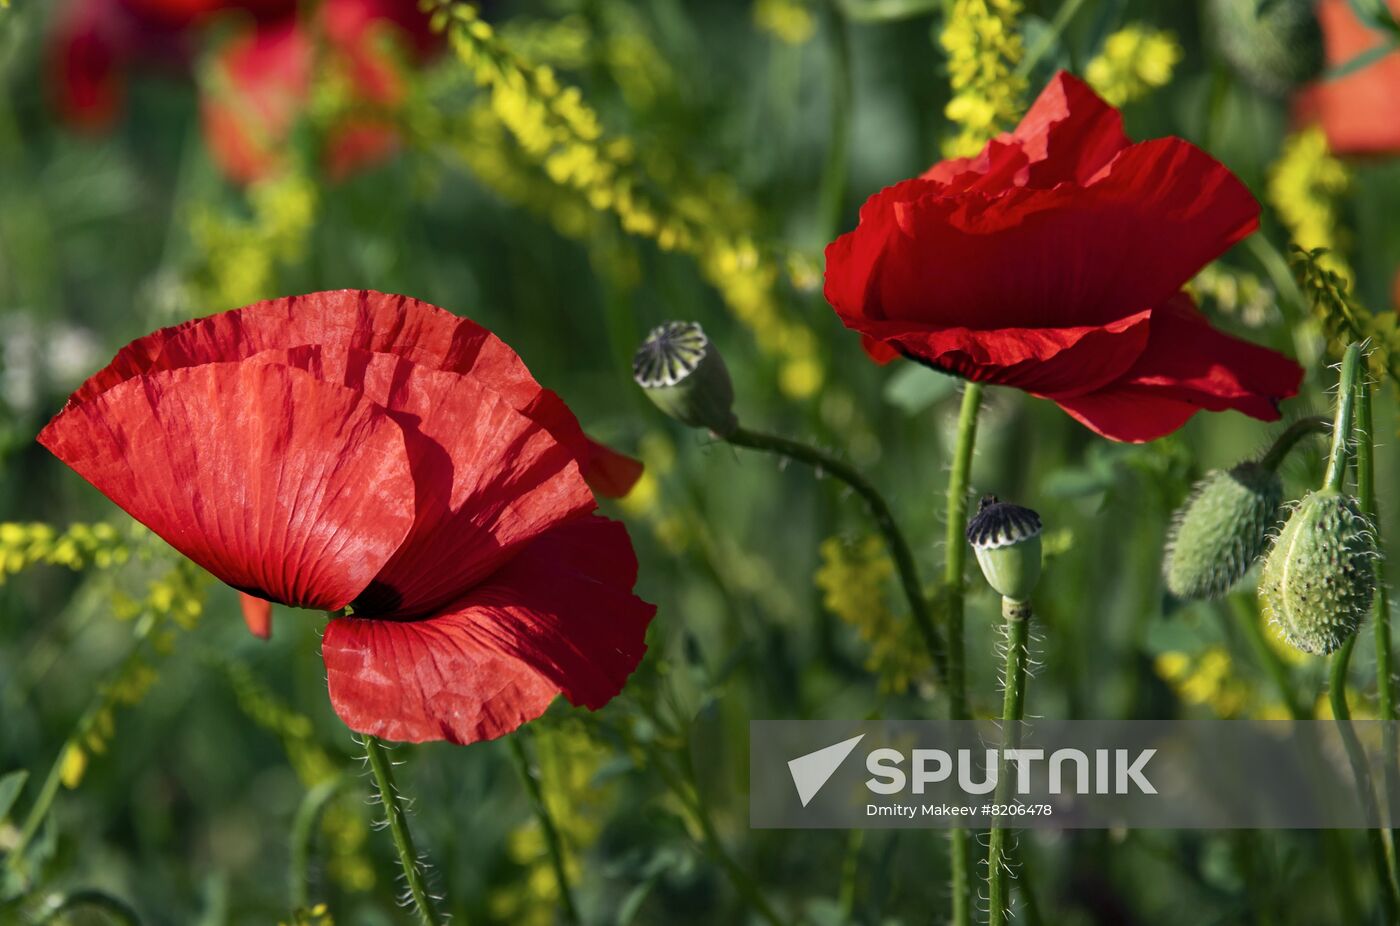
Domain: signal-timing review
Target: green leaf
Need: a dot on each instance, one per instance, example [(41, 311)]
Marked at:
[(10, 787), (1365, 59), (914, 388)]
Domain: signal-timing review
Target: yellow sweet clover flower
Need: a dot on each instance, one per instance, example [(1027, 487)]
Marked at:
[(79, 546), (1305, 187), (788, 21), (318, 915), (239, 255), (1206, 679), (854, 578), (1135, 60), (983, 47), (560, 134), (1236, 293)]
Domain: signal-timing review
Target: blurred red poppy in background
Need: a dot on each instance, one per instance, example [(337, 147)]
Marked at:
[(1054, 262), (260, 81), (358, 449), (95, 44), (1359, 111), (260, 84)]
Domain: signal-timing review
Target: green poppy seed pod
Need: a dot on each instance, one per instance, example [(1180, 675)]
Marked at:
[(1318, 579), (1275, 45), (1006, 539), (685, 376), (1221, 530)]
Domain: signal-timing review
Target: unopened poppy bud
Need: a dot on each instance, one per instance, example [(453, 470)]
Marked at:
[(1221, 530), (1318, 579), (685, 376), (1275, 46), (1006, 539)]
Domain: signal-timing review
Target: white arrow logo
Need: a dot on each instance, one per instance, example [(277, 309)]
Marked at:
[(813, 770)]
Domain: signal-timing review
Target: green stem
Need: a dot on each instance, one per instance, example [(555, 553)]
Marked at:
[(303, 834), (1380, 616), (833, 181), (397, 819), (43, 803), (884, 522), (1356, 755), (956, 560), (688, 791), (850, 876), (1341, 426), (551, 832), (1247, 617), (1313, 424), (1017, 615)]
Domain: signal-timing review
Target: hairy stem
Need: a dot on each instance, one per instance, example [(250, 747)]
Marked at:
[(1017, 617), (397, 819), (1380, 615), (1341, 425), (884, 522), (1356, 755), (552, 840), (953, 566)]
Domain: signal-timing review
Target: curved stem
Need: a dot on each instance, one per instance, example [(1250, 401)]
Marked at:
[(1017, 615), (1380, 616), (397, 819), (955, 551), (303, 834), (554, 844), (884, 521), (1285, 442), (833, 181), (1341, 425), (1356, 755)]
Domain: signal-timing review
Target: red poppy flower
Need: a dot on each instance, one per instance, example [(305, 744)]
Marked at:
[(261, 84), (97, 43), (1360, 111), (358, 449), (1054, 262)]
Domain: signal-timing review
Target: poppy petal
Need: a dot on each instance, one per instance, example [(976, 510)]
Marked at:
[(1043, 361), (1127, 416), (609, 473), (279, 484), (489, 478), (257, 614), (1082, 255), (1187, 364), (558, 618), (349, 318)]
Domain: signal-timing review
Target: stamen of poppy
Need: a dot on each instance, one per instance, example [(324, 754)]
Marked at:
[(684, 375)]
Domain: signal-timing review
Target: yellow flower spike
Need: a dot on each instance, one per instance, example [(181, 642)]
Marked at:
[(73, 767), (1134, 61), (1305, 187)]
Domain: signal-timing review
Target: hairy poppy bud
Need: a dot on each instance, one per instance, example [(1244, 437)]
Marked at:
[(1274, 46), (685, 376), (1221, 530), (1318, 579), (1006, 539)]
